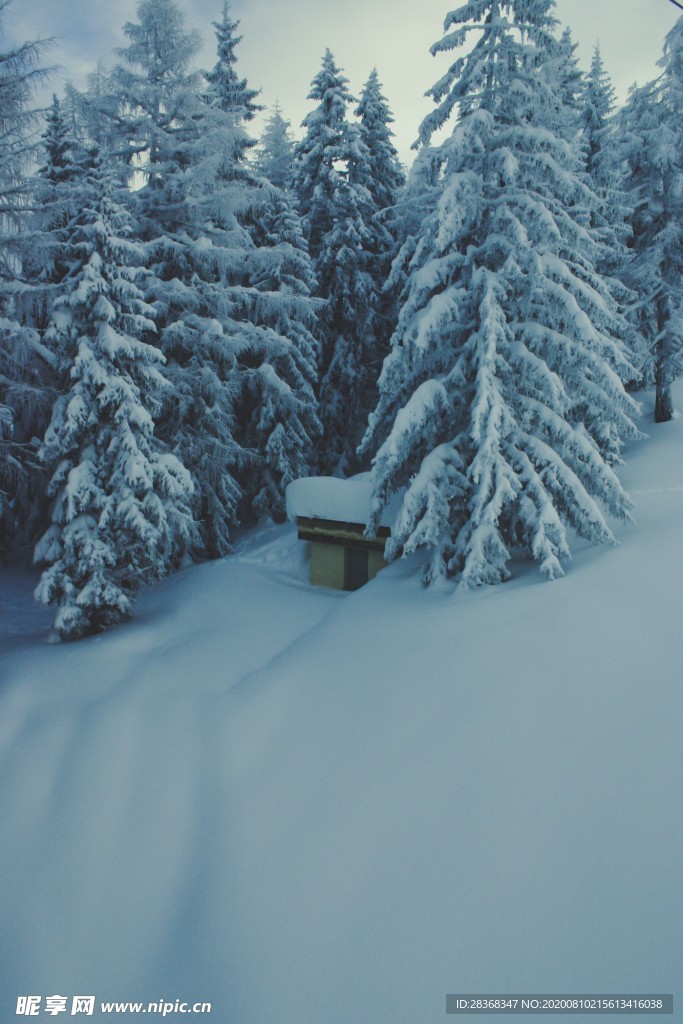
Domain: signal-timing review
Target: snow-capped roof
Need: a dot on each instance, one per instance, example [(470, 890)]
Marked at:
[(343, 501)]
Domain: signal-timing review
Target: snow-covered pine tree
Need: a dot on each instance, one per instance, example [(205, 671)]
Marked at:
[(610, 214), (563, 68), (383, 176), (155, 93), (218, 320), (378, 169), (44, 264), (416, 202), (275, 157), (57, 199), (120, 516), (20, 74), (91, 114), (322, 153), (232, 91), (336, 212), (276, 413), (24, 370), (58, 146), (502, 390), (278, 416), (651, 129), (603, 166), (598, 106), (179, 145), (348, 355)]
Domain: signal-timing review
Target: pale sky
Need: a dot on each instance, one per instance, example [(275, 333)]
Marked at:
[(284, 40)]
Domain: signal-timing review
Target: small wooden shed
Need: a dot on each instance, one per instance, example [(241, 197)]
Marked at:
[(332, 514)]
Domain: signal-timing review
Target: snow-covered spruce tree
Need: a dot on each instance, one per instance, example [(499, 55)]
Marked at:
[(502, 391), (92, 114), (563, 68), (382, 175), (323, 149), (57, 198), (336, 212), (20, 73), (278, 413), (651, 130), (153, 88), (188, 223), (348, 332), (598, 106), (42, 267), (610, 213), (377, 168), (218, 321), (233, 92), (24, 369), (275, 157), (120, 515), (58, 146), (415, 203), (603, 165)]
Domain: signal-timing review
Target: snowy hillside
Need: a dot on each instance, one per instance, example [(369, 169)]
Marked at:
[(305, 806)]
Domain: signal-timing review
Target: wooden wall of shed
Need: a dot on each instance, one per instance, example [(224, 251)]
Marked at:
[(375, 563), (327, 565)]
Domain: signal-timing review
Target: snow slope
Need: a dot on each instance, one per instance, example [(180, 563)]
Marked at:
[(308, 806)]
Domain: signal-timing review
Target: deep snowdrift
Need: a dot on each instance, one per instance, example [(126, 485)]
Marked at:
[(309, 806)]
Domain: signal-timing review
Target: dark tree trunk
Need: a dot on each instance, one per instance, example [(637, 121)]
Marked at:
[(663, 407)]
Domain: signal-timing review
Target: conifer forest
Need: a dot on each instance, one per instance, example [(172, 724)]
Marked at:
[(193, 314), (341, 511)]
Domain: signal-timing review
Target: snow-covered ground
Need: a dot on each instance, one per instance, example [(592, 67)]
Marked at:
[(305, 806)]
